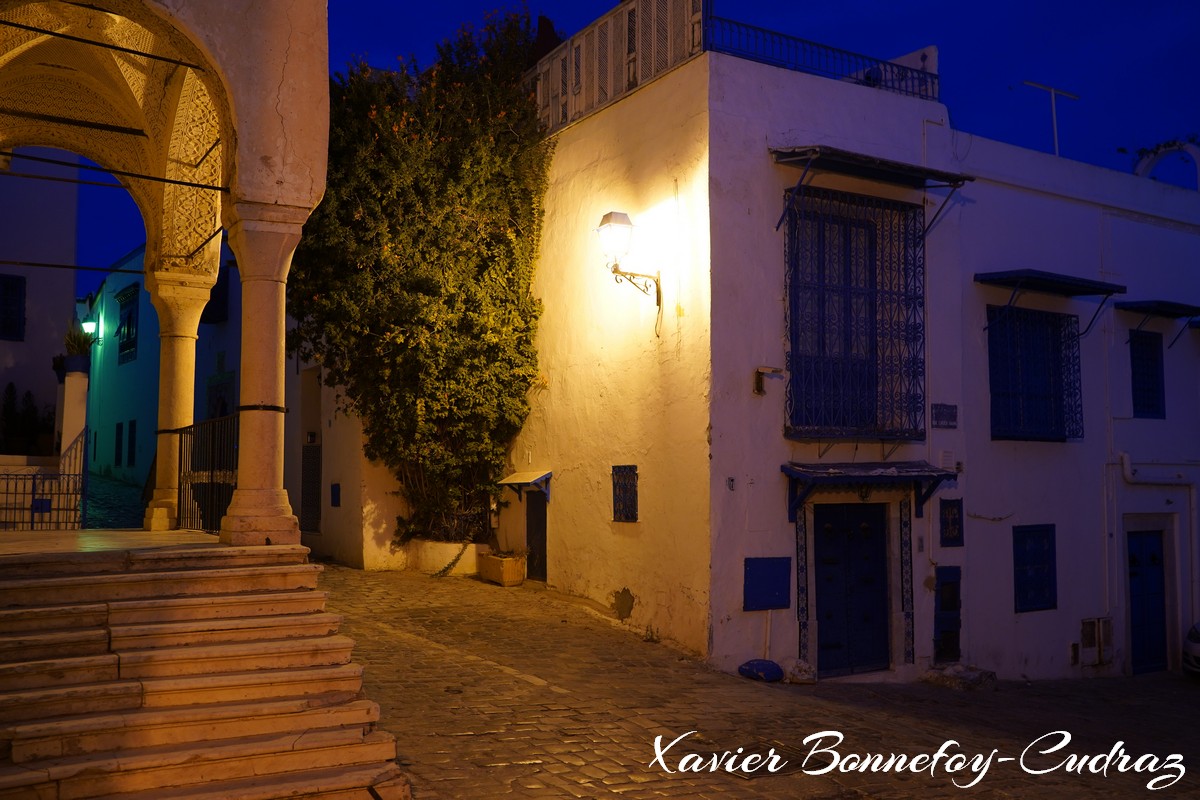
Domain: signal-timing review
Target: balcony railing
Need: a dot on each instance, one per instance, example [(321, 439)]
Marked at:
[(641, 39), (790, 52)]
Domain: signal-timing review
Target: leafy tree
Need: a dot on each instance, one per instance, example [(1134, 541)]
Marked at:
[(411, 286)]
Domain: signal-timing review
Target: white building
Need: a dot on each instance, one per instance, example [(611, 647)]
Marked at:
[(36, 302), (911, 396)]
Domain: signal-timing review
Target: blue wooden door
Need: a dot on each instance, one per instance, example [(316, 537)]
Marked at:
[(1147, 602), (850, 550)]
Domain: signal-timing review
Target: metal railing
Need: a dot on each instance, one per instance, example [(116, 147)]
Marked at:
[(207, 472), (639, 40), (38, 499), (791, 52)]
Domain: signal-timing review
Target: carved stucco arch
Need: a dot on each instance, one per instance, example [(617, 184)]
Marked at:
[(168, 118), (228, 94)]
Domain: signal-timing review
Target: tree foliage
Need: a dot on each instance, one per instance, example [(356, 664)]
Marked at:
[(411, 286)]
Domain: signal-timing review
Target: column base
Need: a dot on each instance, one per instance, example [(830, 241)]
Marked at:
[(259, 517), (160, 518)]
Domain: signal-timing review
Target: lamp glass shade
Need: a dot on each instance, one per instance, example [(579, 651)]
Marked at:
[(89, 326), (616, 232)]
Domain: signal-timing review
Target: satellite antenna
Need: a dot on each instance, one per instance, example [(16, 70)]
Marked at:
[(1054, 94)]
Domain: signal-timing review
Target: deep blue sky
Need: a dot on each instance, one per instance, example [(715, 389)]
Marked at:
[(1131, 62)]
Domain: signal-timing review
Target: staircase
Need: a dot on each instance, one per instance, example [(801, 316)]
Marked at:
[(197, 672)]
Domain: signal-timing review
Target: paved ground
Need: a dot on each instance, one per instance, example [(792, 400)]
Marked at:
[(520, 693), (113, 504)]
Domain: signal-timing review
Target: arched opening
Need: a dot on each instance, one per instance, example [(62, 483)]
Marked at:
[(131, 86)]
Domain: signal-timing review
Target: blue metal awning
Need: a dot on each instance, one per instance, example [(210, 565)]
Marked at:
[(1168, 309), (804, 479), (1159, 308), (1036, 280), (535, 479), (861, 165)]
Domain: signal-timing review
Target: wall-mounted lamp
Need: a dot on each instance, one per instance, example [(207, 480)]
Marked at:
[(89, 326), (616, 233)]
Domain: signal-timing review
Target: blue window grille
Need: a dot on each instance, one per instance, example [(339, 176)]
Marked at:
[(856, 306), (1146, 375), (12, 308), (1033, 372), (1035, 580), (127, 329), (118, 444), (951, 527), (625, 493)]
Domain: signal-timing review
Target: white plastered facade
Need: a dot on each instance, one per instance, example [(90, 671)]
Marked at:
[(687, 156)]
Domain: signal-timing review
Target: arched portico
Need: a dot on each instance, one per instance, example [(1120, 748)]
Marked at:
[(214, 115)]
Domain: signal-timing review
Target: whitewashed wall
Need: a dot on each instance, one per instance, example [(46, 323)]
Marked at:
[(615, 394)]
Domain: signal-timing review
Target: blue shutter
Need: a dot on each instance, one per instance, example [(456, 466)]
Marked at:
[(1035, 580)]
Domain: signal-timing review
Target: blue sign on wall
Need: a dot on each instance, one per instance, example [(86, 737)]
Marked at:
[(768, 584)]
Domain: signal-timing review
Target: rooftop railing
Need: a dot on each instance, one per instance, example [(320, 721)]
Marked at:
[(641, 39), (791, 52)]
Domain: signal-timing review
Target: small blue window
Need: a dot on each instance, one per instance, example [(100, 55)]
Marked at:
[(1146, 375), (131, 449), (951, 522), (1035, 579), (118, 444), (625, 493)]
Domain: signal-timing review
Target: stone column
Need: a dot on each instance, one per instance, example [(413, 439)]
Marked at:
[(263, 238), (179, 301)]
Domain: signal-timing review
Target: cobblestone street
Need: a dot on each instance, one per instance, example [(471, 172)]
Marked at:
[(521, 692)]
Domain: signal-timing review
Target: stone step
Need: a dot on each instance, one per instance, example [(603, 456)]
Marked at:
[(129, 730), (33, 591), (342, 681), (209, 631), (178, 609), (386, 782), (236, 657), (58, 672), (53, 618), (152, 559), (56, 701), (165, 769), (34, 646)]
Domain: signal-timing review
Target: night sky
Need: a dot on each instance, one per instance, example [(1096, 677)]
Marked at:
[(1131, 63)]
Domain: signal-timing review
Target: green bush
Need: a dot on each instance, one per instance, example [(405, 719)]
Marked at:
[(411, 286)]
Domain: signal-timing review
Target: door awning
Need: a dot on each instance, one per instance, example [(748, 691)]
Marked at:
[(804, 479), (535, 479)]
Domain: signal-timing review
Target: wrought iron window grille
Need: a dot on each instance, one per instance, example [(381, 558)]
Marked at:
[(1146, 375), (625, 493), (1033, 375), (855, 317)]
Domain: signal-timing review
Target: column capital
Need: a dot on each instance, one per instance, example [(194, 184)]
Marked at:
[(263, 238), (179, 301)]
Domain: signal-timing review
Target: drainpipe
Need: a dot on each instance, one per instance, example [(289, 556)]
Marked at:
[(1130, 473)]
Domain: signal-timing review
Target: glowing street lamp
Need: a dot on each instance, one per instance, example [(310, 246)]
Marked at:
[(616, 234)]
